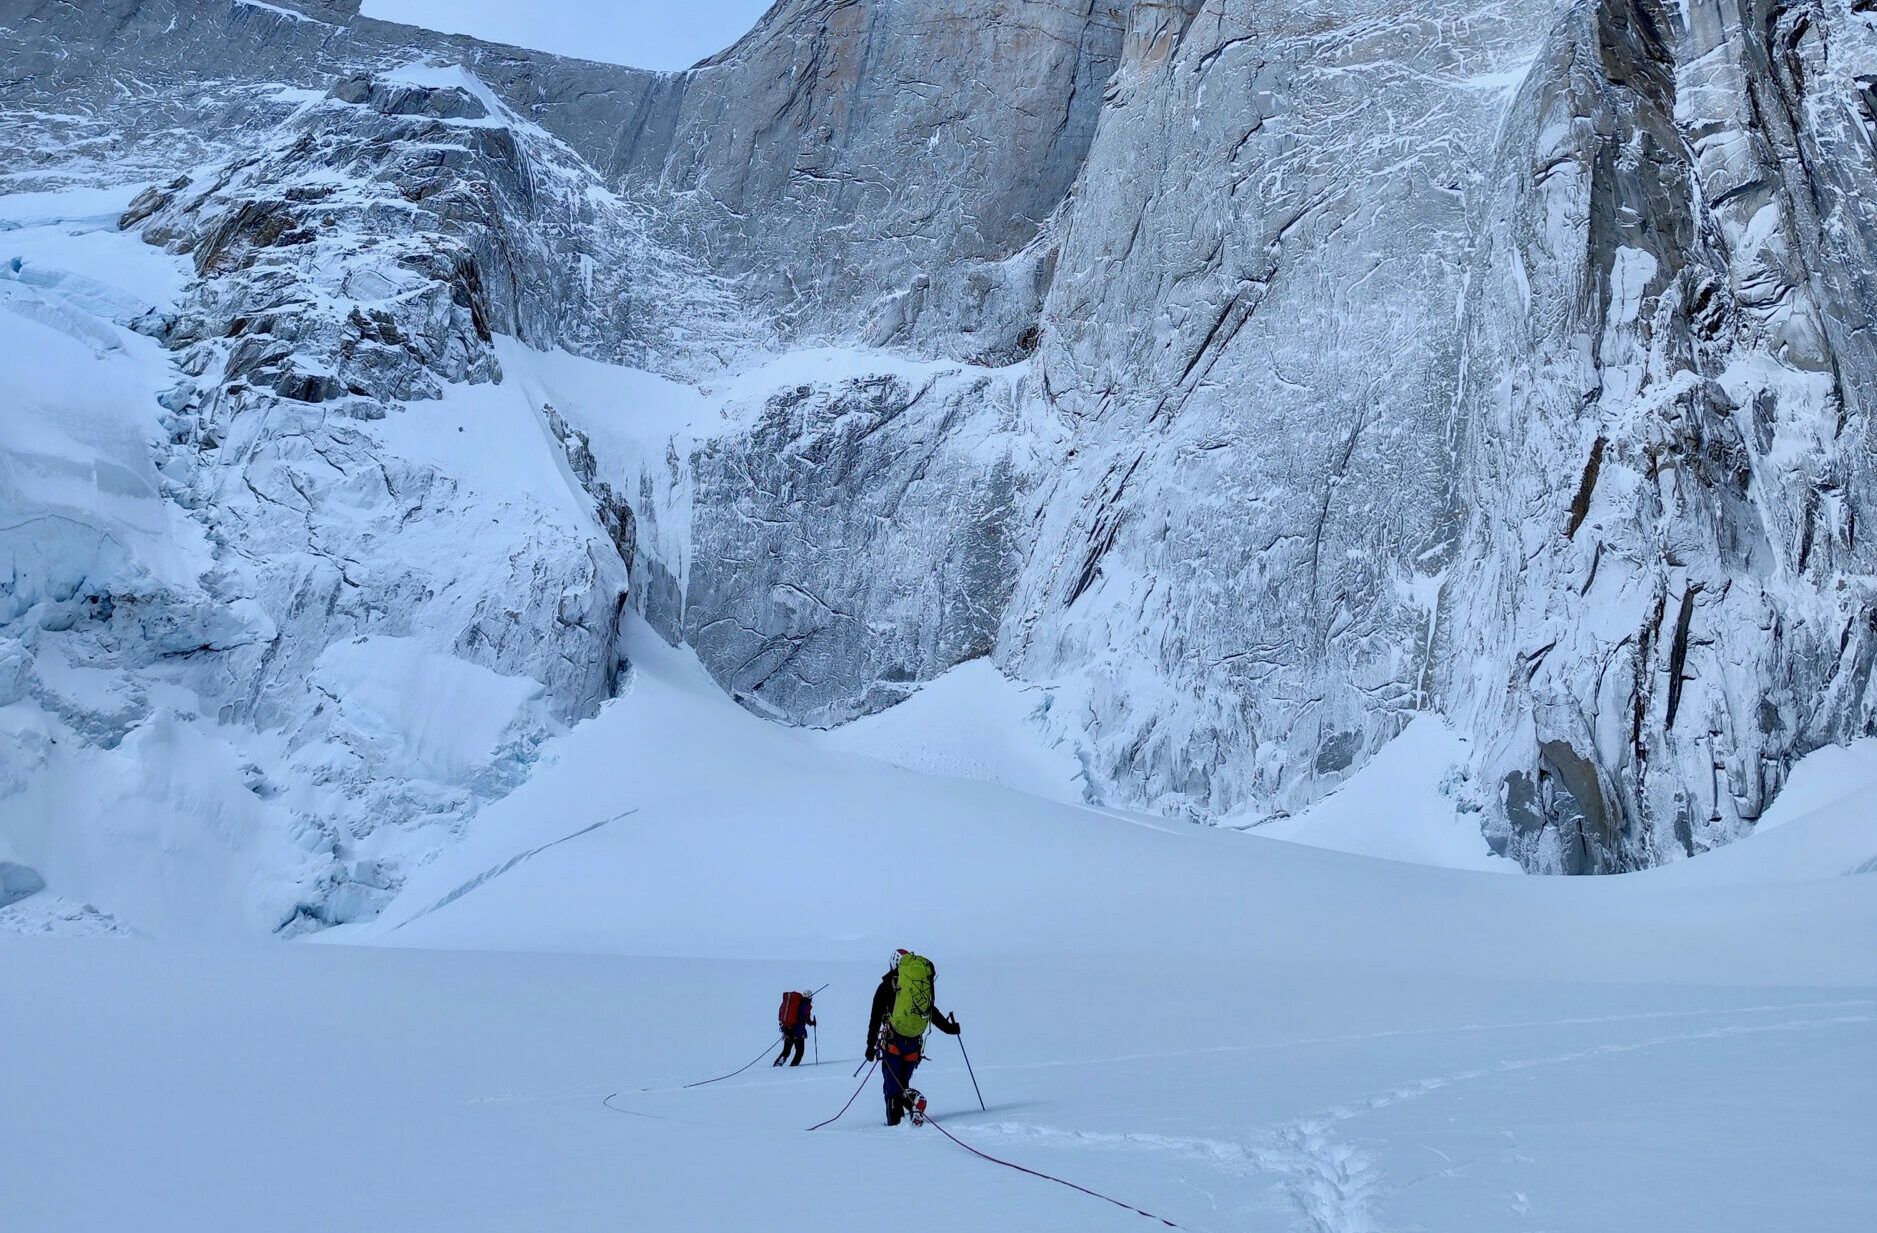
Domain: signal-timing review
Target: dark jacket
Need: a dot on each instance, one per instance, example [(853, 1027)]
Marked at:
[(882, 1007)]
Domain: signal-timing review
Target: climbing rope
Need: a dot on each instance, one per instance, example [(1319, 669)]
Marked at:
[(933, 1121), (850, 1099), (759, 1057), (733, 1074), (608, 1102), (930, 1120)]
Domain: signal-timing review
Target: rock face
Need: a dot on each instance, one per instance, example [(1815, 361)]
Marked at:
[(364, 256), (854, 536), (1668, 438), (880, 170), (1242, 555), (1262, 373)]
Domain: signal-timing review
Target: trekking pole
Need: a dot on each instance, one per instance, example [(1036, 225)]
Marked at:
[(972, 1073), (816, 1029), (879, 1046)]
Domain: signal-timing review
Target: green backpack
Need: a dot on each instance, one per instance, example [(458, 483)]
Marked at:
[(912, 999)]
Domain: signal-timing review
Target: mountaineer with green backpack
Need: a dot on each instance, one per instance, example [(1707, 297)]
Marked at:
[(903, 1008)]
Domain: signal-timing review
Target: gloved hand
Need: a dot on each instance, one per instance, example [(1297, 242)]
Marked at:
[(950, 1025), (870, 1053)]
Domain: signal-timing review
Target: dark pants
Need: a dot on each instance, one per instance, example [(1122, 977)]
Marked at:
[(792, 1038), (898, 1060)]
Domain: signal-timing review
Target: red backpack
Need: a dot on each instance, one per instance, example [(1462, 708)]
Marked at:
[(793, 1010)]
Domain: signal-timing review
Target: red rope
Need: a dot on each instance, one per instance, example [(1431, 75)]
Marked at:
[(850, 1099), (1047, 1177)]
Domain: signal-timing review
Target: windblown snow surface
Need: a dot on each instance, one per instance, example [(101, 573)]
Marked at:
[(1233, 1032)]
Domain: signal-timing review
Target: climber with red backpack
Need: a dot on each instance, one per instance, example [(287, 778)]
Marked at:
[(794, 1017), (902, 1011)]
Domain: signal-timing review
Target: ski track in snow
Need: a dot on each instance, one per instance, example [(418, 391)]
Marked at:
[(1333, 1183)]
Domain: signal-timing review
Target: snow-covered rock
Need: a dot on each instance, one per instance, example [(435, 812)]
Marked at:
[(308, 535), (1662, 599)]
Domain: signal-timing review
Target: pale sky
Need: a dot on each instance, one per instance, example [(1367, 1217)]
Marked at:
[(654, 34)]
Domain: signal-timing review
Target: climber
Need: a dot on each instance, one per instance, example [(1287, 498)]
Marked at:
[(900, 1022), (794, 1017)]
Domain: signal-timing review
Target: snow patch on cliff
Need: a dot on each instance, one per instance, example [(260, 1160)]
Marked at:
[(971, 723), (424, 715), (1824, 778), (1407, 803)]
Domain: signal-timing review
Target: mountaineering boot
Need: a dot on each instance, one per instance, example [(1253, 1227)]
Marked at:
[(915, 1105)]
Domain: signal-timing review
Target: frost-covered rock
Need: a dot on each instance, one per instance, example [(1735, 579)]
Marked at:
[(852, 538), (1250, 341), (1666, 429), (314, 544)]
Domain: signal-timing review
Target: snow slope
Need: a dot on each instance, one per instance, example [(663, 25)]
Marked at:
[(1232, 1032)]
